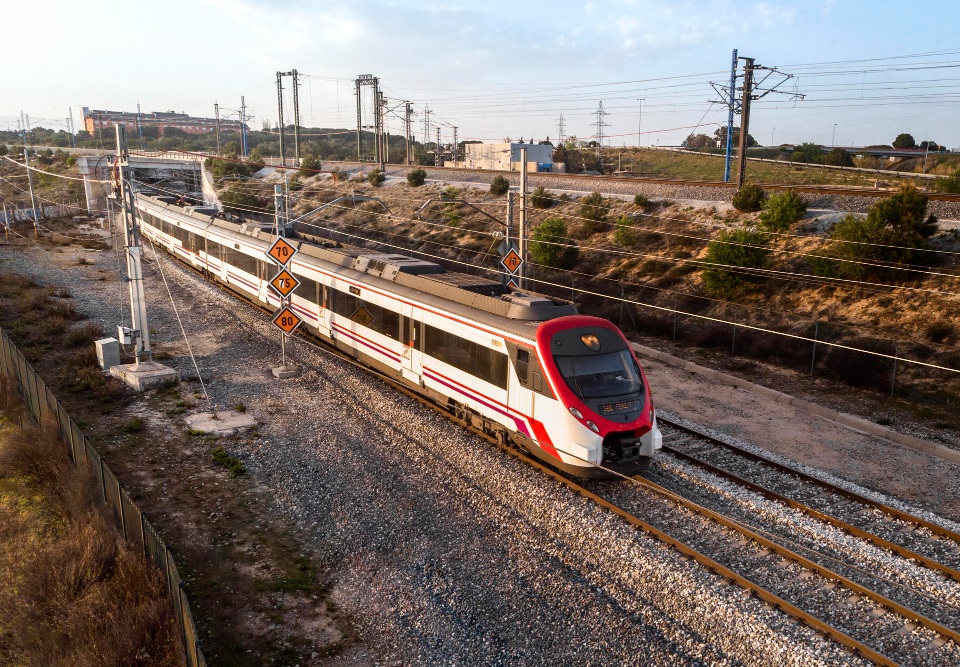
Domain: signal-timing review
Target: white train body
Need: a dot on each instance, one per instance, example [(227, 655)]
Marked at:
[(523, 367)]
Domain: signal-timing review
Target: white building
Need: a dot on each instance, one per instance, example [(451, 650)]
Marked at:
[(507, 157)]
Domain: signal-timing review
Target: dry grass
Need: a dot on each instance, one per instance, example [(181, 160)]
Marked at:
[(73, 594)]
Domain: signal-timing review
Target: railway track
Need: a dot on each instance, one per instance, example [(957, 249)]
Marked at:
[(882, 630), (594, 181)]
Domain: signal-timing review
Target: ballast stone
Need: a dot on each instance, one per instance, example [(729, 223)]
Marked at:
[(145, 375)]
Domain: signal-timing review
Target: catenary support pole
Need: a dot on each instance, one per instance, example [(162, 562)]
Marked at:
[(283, 157), (745, 121), (296, 118), (731, 110), (131, 236), (522, 231)]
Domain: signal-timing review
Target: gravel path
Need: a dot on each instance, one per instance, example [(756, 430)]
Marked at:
[(444, 550)]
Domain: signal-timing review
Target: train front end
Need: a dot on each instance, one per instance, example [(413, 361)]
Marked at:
[(608, 422)]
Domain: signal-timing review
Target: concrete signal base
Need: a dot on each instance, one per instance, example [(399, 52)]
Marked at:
[(285, 372), (145, 375)]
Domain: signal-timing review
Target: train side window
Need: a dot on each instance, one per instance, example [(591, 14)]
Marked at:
[(537, 382), (523, 366)]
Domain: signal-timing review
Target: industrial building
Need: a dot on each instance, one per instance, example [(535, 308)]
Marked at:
[(96, 120), (506, 156)]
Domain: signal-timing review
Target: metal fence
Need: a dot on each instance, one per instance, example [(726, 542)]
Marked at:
[(137, 530)]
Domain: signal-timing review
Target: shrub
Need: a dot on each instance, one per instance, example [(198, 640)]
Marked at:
[(230, 462), (499, 186), (741, 248), (132, 425), (625, 234), (416, 178), (949, 184), (939, 330), (549, 245), (594, 211), (641, 200), (376, 177), (782, 210), (309, 164), (450, 192), (749, 198), (541, 198), (892, 233)]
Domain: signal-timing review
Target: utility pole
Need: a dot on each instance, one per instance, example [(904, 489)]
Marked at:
[(243, 127), (439, 154), (26, 162), (745, 121), (73, 135), (359, 121), (131, 237), (407, 113), (560, 129), (283, 157), (426, 127), (639, 119), (522, 231), (296, 118), (139, 126), (456, 151), (216, 114)]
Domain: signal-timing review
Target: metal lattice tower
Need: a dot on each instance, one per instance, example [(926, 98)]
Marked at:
[(599, 124), (560, 129)]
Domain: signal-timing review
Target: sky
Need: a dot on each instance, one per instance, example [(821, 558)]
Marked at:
[(496, 68)]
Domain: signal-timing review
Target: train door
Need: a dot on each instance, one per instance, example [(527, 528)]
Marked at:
[(520, 395), (411, 362), (323, 321)]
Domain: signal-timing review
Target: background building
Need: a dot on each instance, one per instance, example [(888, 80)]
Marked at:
[(96, 120), (507, 156)]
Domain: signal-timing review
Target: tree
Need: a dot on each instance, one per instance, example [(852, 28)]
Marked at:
[(624, 234), (932, 146), (230, 165), (499, 185), (739, 248), (904, 140), (838, 158), (721, 136), (593, 209), (809, 153), (416, 178), (782, 210), (549, 245), (749, 198), (697, 141), (239, 198)]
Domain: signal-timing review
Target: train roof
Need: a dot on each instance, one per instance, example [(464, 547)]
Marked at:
[(519, 312)]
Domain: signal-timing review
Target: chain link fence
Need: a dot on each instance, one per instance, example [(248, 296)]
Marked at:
[(137, 530)]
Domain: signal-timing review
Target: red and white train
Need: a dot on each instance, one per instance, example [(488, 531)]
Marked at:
[(523, 367)]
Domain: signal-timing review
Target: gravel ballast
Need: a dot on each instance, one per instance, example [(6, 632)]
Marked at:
[(441, 548)]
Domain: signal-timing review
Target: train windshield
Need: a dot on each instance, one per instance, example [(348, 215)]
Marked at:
[(601, 375)]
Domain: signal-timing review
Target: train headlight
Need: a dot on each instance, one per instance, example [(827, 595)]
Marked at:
[(576, 413), (593, 427)]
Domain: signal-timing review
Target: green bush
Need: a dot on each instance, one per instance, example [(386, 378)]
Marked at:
[(740, 248), (416, 178), (541, 198), (641, 200), (749, 198), (309, 164), (949, 184), (230, 462), (549, 245), (782, 210), (499, 186), (376, 177), (625, 234), (593, 210), (894, 233)]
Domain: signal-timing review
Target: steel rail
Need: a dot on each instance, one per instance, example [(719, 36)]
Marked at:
[(759, 458), (706, 561)]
